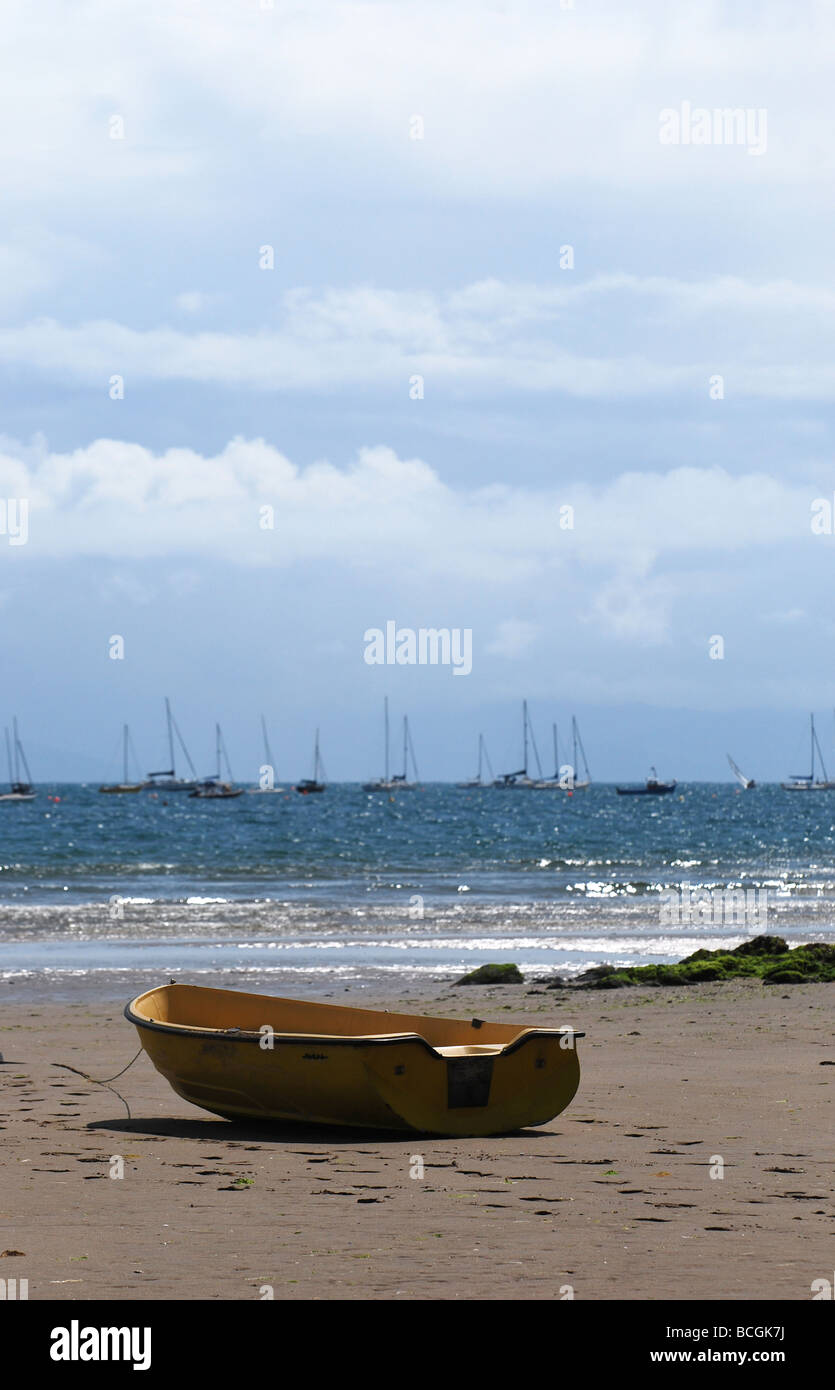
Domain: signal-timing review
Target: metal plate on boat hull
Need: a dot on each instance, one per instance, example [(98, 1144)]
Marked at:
[(468, 1081)]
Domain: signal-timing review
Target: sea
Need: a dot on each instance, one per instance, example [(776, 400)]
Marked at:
[(306, 894)]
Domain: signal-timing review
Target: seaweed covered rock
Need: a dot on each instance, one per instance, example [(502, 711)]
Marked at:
[(761, 946), (757, 946), (493, 975), (767, 958)]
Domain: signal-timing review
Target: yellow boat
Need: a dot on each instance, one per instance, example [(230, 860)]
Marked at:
[(254, 1056)]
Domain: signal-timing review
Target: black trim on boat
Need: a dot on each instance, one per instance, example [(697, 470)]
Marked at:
[(323, 1039)]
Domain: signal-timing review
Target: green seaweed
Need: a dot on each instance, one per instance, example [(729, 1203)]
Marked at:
[(767, 958), (493, 975)]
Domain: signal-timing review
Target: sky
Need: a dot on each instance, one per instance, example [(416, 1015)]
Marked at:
[(317, 316)]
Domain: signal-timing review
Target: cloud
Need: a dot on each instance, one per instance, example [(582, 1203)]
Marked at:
[(610, 336), (634, 608), (381, 512), (336, 82), (192, 301), (126, 588), (513, 638)]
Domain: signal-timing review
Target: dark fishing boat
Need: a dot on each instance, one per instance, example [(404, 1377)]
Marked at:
[(652, 787)]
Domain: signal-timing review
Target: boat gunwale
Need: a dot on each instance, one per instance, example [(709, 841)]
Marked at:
[(340, 1039)]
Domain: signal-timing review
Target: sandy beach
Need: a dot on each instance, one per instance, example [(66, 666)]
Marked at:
[(612, 1200)]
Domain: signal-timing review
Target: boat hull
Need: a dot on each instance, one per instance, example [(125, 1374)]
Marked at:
[(646, 791), (217, 796), (471, 1079)]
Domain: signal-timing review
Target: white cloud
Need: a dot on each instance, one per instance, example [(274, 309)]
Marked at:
[(381, 512), (578, 90), (609, 336), (513, 638), (634, 607), (192, 301)]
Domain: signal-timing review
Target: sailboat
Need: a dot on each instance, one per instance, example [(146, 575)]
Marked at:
[(384, 783), (317, 782), (513, 780), (747, 782), (569, 781), (269, 766), (168, 781), (400, 780), (578, 784), (20, 790), (800, 781), (482, 756), (212, 788), (125, 785)]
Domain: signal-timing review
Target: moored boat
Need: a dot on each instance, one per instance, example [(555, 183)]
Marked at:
[(478, 780), (125, 785), (253, 1056), (212, 788), (386, 783), (803, 782), (652, 787), (19, 789), (309, 785), (521, 779), (266, 783), (565, 776), (167, 780)]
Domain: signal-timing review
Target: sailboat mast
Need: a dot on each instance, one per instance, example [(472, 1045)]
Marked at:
[(405, 747), (125, 742), (316, 758), (573, 750), (820, 755), (812, 723), (386, 718), (9, 756), (525, 736), (20, 756), (480, 747), (556, 753), (170, 735)]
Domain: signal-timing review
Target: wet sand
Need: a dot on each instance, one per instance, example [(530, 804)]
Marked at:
[(613, 1199)]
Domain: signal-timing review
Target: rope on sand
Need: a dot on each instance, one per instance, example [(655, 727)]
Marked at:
[(106, 1083)]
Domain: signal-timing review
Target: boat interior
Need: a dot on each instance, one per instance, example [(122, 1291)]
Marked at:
[(221, 1010)]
